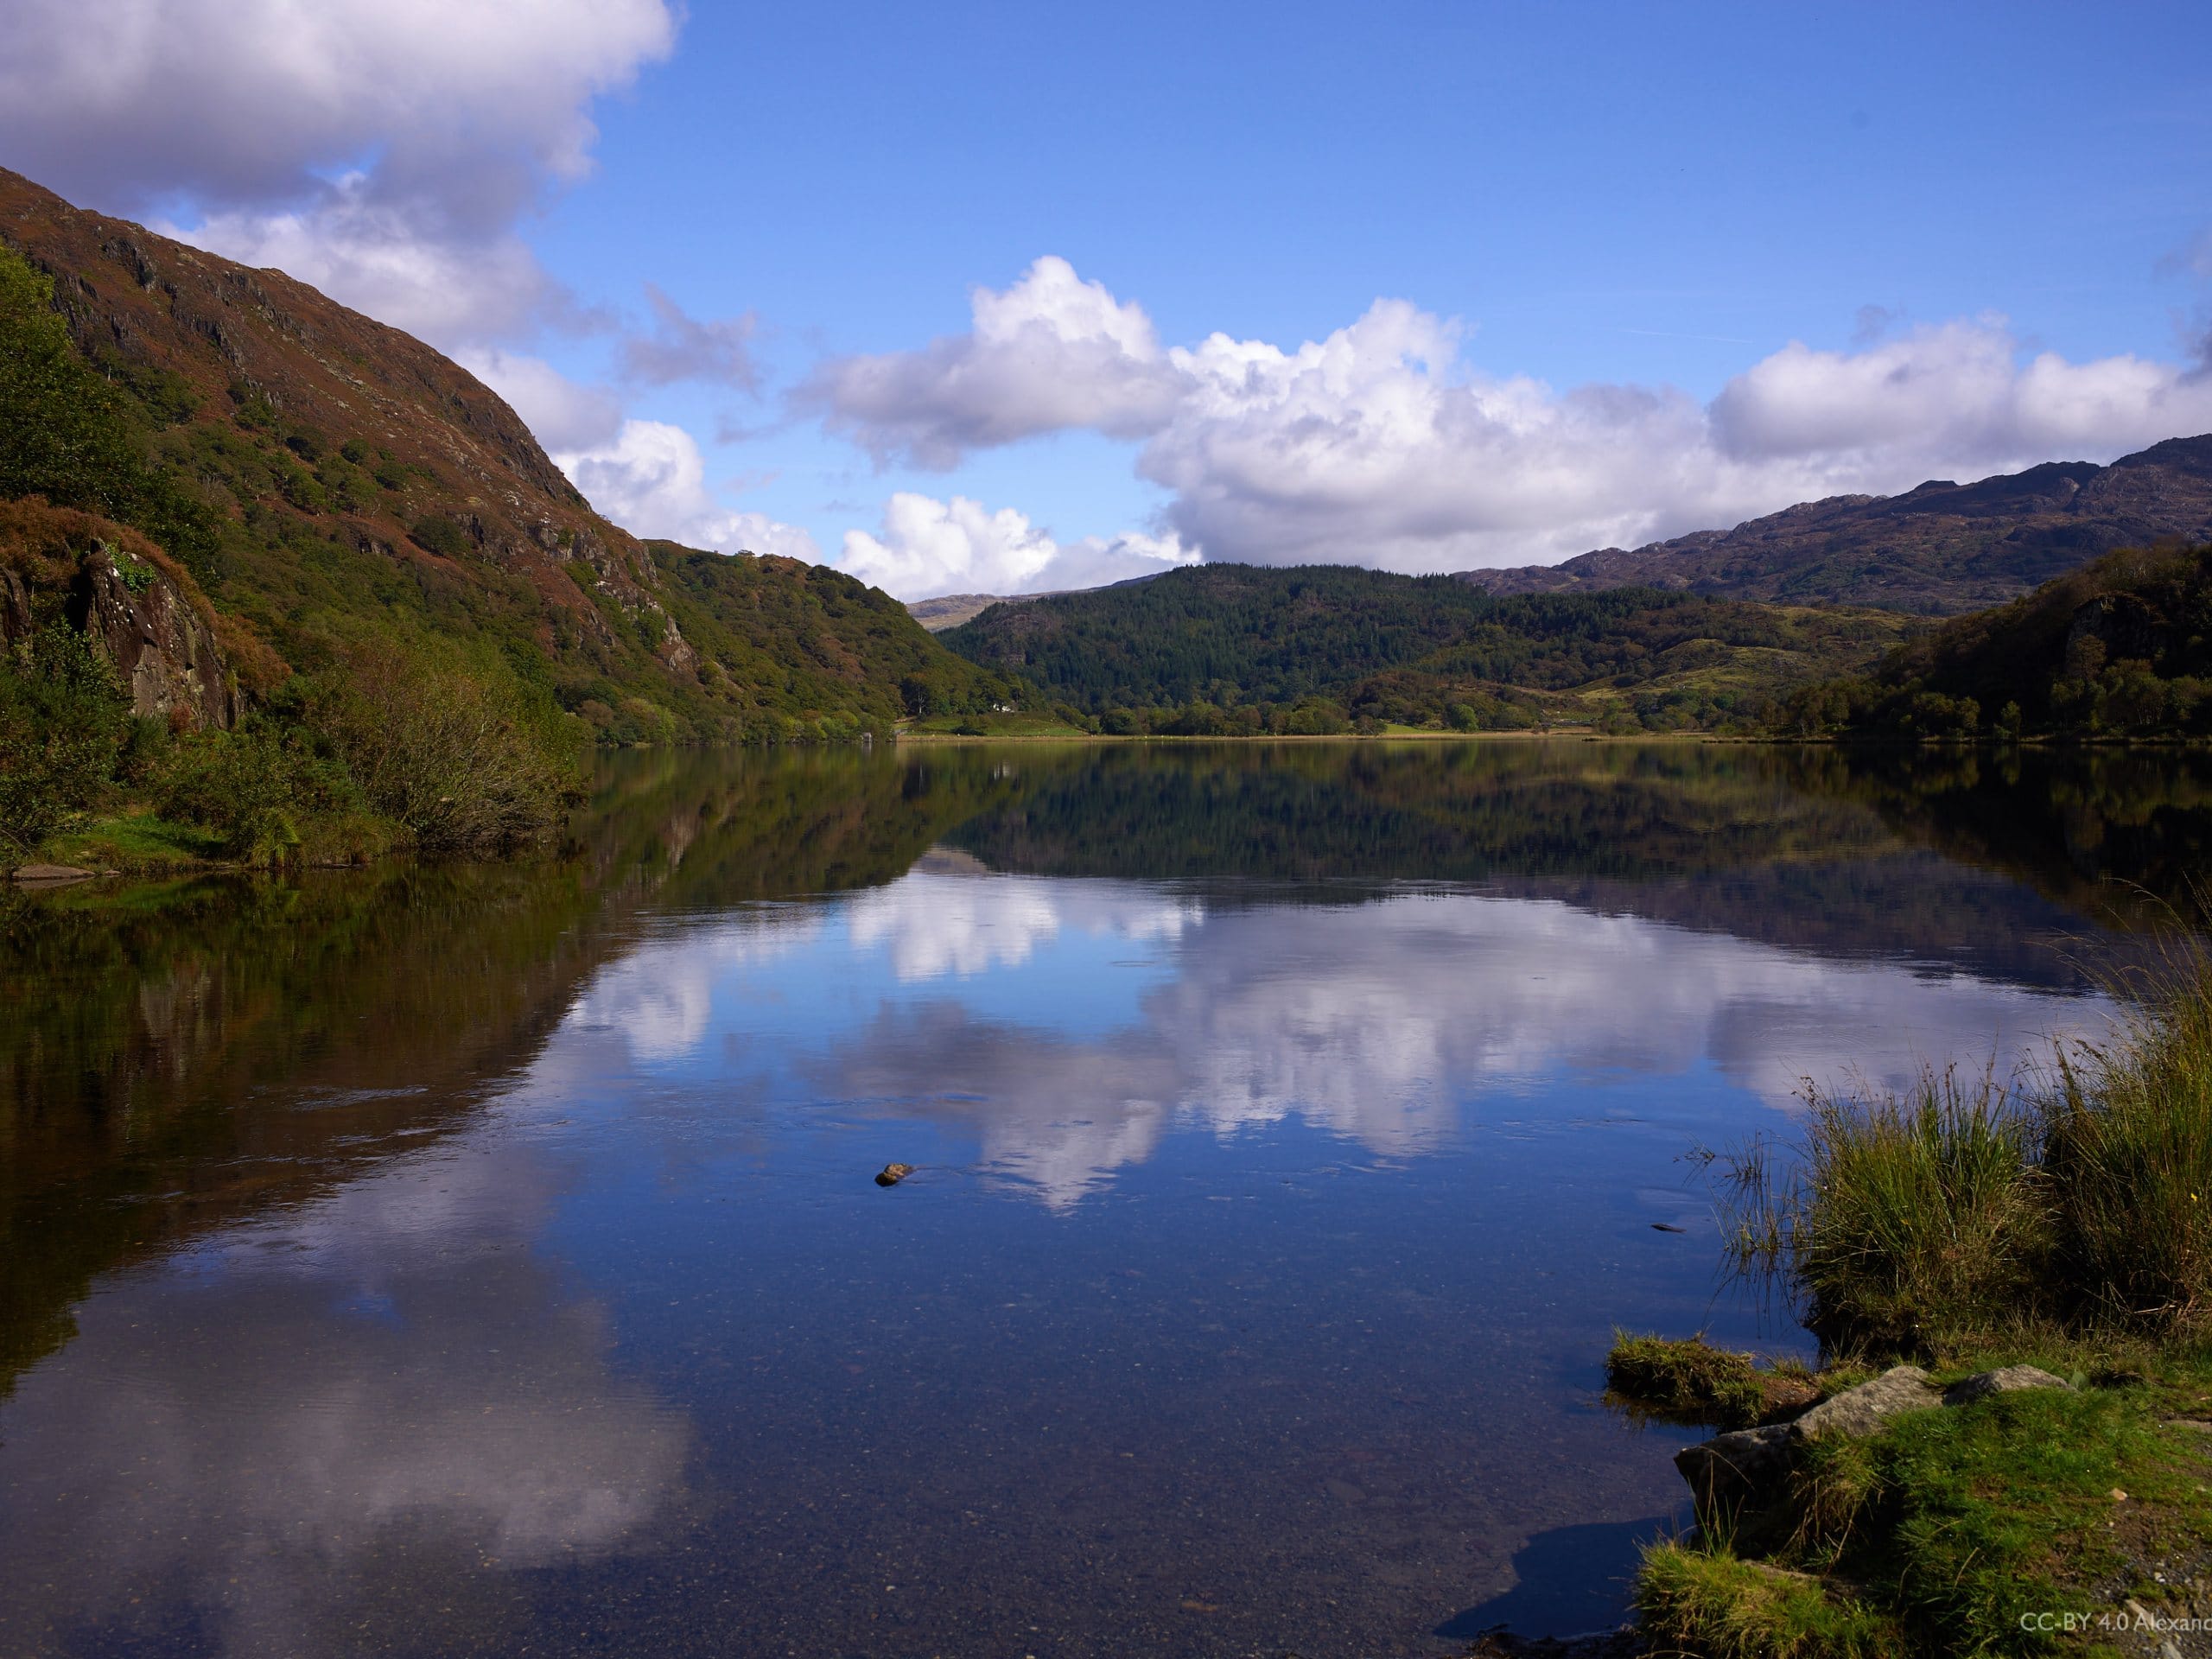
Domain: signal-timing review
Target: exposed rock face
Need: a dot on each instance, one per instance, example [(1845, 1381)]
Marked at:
[(164, 649), (1937, 550), (15, 607)]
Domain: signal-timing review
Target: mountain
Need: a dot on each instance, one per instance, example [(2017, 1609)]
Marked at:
[(1936, 550), (330, 485), (2121, 647), (950, 610), (1236, 647)]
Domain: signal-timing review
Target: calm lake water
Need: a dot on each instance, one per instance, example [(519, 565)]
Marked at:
[(488, 1260)]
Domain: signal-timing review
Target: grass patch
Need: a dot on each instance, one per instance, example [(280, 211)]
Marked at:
[(1690, 1380), (2061, 1224), (1949, 1532), (2078, 1202), (1711, 1602), (137, 844), (1013, 725)]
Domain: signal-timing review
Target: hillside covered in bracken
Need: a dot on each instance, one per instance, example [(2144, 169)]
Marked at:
[(228, 504)]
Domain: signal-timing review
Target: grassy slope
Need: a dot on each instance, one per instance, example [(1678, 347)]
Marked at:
[(330, 482), (1409, 649)]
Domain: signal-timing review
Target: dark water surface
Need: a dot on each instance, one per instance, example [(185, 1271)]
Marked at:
[(486, 1261)]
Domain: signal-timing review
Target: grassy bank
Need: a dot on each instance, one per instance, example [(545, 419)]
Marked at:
[(2065, 1224)]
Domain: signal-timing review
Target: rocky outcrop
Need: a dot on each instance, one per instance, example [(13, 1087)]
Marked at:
[(162, 649), (1741, 1473)]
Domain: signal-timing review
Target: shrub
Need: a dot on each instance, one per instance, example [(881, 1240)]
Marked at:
[(439, 533), (263, 792), (63, 720), (459, 760)]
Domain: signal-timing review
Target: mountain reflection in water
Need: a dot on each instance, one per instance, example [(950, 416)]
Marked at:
[(459, 1260)]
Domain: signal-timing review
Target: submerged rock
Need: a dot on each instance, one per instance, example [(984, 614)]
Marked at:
[(2008, 1379), (891, 1174)]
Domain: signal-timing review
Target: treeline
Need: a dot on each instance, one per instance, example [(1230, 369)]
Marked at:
[(2119, 649), (1223, 650)]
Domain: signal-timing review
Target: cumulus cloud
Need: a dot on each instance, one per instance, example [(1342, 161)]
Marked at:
[(1051, 352), (1383, 444), (651, 479), (382, 150), (1379, 445), (680, 347), (565, 415), (927, 547)]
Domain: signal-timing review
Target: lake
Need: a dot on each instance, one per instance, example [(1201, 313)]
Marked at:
[(488, 1260)]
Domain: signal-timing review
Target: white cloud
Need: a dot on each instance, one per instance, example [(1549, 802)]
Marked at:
[(652, 479), (565, 415), (381, 149), (1050, 353), (928, 547), (350, 1415), (1381, 444), (680, 347)]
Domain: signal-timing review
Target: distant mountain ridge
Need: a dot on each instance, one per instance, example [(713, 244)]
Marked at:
[(1935, 551)]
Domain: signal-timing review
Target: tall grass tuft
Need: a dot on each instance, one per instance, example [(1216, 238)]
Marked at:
[(2127, 1149), (1966, 1208), (1904, 1220)]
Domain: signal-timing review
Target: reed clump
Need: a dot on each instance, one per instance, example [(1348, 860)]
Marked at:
[(2074, 1199)]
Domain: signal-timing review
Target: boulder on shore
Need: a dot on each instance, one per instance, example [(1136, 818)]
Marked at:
[(2007, 1379), (1863, 1409)]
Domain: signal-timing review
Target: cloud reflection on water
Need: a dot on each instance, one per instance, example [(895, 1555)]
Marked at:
[(302, 1412), (1375, 1019)]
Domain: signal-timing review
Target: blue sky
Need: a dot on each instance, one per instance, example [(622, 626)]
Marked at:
[(1654, 268)]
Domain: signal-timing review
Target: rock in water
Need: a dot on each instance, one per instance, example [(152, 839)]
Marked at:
[(891, 1174)]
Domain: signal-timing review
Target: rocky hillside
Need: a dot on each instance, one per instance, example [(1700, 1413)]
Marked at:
[(1936, 550), (328, 484)]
